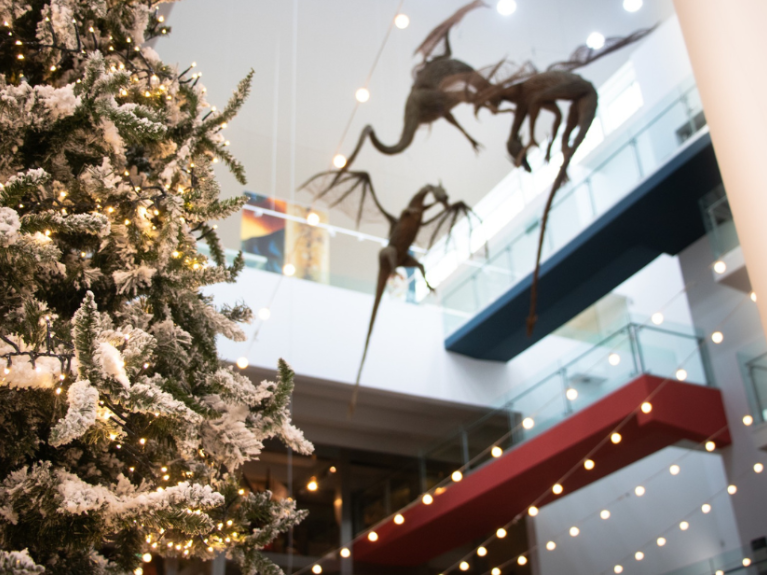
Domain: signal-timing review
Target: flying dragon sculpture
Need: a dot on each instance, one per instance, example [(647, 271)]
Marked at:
[(429, 100), (354, 194), (530, 91)]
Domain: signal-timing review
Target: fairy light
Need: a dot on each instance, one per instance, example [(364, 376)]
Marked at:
[(574, 531), (532, 511), (399, 519), (456, 476), (732, 489), (614, 359), (684, 526), (758, 467), (557, 489), (604, 514), (748, 420), (674, 469), (264, 314), (616, 438), (639, 491), (339, 161), (746, 562), (289, 270), (345, 553), (618, 568), (657, 318), (506, 7), (496, 451), (317, 569), (681, 374), (464, 566), (501, 533), (646, 407), (373, 536), (362, 95), (481, 551), (705, 508), (720, 267), (550, 546), (661, 541), (528, 423), (571, 394), (753, 296), (313, 218), (242, 362), (710, 446), (427, 499), (312, 485), (717, 337), (142, 441), (402, 21), (522, 560), (589, 464), (146, 557), (495, 571)]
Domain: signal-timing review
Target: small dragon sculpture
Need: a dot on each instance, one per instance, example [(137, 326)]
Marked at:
[(354, 194)]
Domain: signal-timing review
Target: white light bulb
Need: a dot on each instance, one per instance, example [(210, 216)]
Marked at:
[(456, 476), (496, 452), (748, 420), (753, 296), (316, 569), (574, 531), (639, 491), (661, 541), (339, 161), (533, 511), (746, 562), (710, 446), (732, 489), (362, 95), (657, 318), (506, 7), (313, 219), (402, 21), (146, 557), (618, 569), (464, 566), (264, 314), (681, 374), (528, 422), (684, 526), (373, 536), (595, 41), (632, 5), (604, 514), (614, 359), (501, 533), (589, 464), (616, 438), (638, 555), (481, 551), (427, 499), (345, 553), (551, 546), (758, 467), (242, 362), (674, 470), (495, 571), (289, 269), (572, 394), (522, 560), (646, 407), (720, 267), (557, 489), (717, 337), (705, 508)]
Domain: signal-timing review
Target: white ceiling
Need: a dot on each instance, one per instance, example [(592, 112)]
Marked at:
[(306, 77)]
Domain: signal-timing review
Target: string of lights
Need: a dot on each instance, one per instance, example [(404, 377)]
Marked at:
[(586, 462)]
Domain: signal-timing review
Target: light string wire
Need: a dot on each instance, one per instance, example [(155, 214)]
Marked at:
[(362, 535), (602, 443)]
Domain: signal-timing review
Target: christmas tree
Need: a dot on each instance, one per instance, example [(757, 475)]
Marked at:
[(121, 432)]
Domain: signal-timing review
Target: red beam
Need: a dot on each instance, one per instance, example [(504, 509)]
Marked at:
[(494, 494)]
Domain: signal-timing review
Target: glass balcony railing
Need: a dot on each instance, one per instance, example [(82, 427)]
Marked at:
[(754, 370), (598, 180), (719, 223), (739, 561), (629, 352)]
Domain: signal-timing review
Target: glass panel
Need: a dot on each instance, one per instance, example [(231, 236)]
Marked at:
[(664, 353)]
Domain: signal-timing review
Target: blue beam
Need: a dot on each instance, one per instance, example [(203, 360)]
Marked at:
[(661, 215)]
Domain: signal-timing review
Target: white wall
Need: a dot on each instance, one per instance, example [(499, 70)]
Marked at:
[(636, 522)]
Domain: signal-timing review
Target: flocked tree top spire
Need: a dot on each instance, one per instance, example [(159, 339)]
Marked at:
[(121, 433)]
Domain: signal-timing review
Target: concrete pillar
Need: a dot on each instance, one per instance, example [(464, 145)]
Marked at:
[(728, 50)]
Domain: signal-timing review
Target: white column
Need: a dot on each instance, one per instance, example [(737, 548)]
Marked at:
[(727, 44)]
